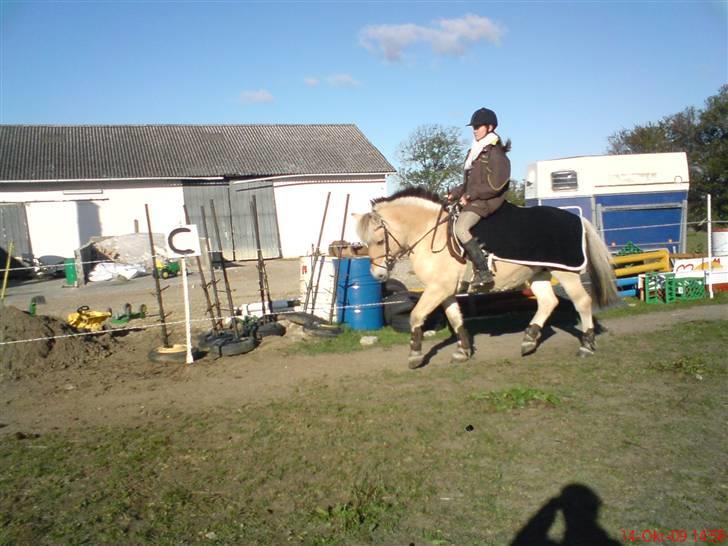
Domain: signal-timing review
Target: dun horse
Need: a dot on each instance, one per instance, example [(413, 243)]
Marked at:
[(413, 223)]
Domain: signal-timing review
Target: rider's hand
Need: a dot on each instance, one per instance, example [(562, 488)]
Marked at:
[(464, 200)]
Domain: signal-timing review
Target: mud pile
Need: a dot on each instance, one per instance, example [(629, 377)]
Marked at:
[(20, 360)]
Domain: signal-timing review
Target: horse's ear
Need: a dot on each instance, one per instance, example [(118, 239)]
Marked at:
[(361, 224)]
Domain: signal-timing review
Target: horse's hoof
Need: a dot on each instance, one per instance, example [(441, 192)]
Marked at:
[(585, 352), (528, 347), (459, 356), (414, 361)]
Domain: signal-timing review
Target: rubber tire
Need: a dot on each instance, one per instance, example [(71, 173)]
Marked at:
[(436, 320), (299, 317), (127, 309), (239, 347), (393, 286), (401, 323), (175, 354), (320, 329), (207, 340), (271, 329), (397, 304)]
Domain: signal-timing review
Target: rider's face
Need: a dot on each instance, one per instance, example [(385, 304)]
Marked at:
[(480, 131)]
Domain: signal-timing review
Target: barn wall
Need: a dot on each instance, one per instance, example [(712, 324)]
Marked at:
[(300, 206), (62, 218)]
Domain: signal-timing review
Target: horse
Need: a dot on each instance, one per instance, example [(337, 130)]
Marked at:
[(412, 222)]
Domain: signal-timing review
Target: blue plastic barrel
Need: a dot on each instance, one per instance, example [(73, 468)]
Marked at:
[(358, 295)]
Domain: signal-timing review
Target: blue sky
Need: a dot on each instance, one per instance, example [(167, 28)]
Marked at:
[(562, 76)]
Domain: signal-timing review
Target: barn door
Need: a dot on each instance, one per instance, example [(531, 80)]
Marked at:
[(197, 194), (14, 227), (241, 195)]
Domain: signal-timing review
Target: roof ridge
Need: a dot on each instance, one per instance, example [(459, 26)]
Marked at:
[(65, 152), (178, 125)]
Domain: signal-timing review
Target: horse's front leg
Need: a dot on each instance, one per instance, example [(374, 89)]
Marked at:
[(430, 299), (464, 349)]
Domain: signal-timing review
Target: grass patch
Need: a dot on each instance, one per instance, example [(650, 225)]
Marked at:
[(515, 398), (369, 508), (387, 460), (349, 341), (693, 366)]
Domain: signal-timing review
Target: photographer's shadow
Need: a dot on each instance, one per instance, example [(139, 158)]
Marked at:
[(580, 508)]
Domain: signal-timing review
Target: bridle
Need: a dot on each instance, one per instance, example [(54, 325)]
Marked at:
[(390, 259)]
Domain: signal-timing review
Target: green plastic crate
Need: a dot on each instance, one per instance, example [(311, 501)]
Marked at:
[(689, 289), (660, 288)]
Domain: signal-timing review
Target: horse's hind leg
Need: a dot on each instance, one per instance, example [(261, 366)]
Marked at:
[(547, 302), (464, 349), (583, 304), (430, 299)]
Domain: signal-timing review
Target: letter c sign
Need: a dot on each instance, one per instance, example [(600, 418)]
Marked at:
[(184, 241)]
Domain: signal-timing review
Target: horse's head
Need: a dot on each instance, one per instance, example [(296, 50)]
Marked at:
[(373, 232)]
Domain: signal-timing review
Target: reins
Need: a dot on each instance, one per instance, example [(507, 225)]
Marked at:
[(391, 259)]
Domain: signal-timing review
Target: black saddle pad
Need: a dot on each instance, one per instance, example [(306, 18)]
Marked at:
[(545, 236)]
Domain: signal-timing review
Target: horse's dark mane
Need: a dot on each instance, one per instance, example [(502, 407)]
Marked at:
[(413, 191)]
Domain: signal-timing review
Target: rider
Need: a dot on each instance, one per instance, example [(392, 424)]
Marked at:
[(485, 182)]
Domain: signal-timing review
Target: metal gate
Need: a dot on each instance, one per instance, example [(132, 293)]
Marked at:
[(199, 194), (14, 227), (244, 235)]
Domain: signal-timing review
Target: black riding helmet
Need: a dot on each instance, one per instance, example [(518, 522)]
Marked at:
[(483, 116)]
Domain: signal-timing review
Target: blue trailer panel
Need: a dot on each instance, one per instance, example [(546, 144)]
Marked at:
[(638, 198)]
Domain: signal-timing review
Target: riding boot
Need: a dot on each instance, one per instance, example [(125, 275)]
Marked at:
[(482, 278)]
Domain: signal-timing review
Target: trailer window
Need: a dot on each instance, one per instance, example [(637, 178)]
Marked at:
[(563, 180)]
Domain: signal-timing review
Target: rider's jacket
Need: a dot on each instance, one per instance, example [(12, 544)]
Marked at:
[(486, 183)]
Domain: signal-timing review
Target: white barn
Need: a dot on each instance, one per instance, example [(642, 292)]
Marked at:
[(62, 185)]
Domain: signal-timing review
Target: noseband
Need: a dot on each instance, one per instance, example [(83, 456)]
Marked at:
[(391, 259)]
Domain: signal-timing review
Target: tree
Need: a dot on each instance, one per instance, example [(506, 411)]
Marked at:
[(703, 135), (432, 157)]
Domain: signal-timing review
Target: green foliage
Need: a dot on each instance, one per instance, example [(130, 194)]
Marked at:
[(432, 157), (703, 135), (515, 398), (692, 365), (369, 508)]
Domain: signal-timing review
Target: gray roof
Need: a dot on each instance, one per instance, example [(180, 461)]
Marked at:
[(78, 152)]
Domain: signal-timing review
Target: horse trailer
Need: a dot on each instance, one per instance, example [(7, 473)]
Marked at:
[(638, 198)]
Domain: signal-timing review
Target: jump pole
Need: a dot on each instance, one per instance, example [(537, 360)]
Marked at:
[(202, 279), (315, 260), (236, 328), (6, 273), (213, 280), (262, 276), (162, 316), (336, 269)]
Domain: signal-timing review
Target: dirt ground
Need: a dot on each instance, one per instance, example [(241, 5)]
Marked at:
[(109, 380)]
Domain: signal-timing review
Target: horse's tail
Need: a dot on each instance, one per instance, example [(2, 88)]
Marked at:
[(601, 273)]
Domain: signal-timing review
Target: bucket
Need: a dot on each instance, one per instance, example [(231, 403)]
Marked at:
[(322, 285), (359, 295), (720, 242), (69, 267)]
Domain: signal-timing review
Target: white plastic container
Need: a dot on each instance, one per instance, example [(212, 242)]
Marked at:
[(720, 242), (322, 285)]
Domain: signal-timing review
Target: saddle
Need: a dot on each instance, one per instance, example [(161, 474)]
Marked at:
[(537, 236)]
